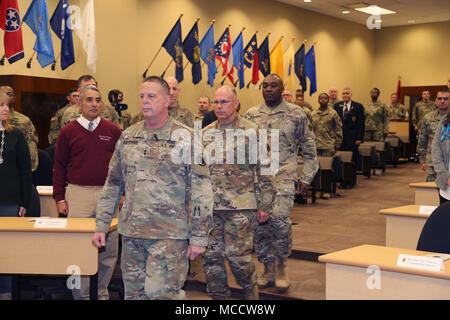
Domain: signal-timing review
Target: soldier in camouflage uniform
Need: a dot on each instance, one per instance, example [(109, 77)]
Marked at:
[(55, 122), (420, 109), (74, 112), (333, 94), (397, 111), (179, 113), (300, 100), (204, 103), (427, 131), (242, 193), (327, 127), (159, 233), (273, 240), (377, 118), (24, 124)]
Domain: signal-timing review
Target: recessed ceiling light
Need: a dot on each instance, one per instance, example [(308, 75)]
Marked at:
[(345, 11), (411, 21), (375, 10), (307, 0)]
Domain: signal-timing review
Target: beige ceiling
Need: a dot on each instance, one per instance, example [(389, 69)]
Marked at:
[(421, 11)]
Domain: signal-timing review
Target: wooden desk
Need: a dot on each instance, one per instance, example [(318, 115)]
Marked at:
[(27, 250), (427, 193), (48, 205), (403, 226), (347, 276)]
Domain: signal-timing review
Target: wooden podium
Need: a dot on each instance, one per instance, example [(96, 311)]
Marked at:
[(39, 98)]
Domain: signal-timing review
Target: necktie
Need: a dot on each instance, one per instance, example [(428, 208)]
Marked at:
[(91, 126), (346, 110)]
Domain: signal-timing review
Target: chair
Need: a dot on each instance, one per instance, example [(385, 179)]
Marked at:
[(435, 235), (34, 208), (43, 175), (349, 167)]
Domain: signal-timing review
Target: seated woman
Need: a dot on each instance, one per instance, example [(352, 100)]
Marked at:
[(15, 177), (440, 150)]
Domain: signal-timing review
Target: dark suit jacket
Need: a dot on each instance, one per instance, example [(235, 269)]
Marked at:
[(353, 125), (208, 118)]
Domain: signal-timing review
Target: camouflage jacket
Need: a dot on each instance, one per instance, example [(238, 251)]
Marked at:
[(377, 117), (327, 127), (179, 113), (158, 192), (125, 119), (24, 124), (397, 112), (238, 185), (430, 123), (420, 110), (73, 113), (292, 124), (55, 125)]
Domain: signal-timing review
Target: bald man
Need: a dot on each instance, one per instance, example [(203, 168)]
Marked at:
[(333, 94)]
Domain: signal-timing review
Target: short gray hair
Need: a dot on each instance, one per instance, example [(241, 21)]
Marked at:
[(88, 88)]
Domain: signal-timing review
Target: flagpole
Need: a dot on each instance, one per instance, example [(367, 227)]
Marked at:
[(187, 63), (31, 59), (145, 72), (2, 61), (212, 22), (54, 63), (162, 76)]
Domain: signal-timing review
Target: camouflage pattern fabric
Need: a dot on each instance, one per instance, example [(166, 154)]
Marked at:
[(55, 125), (165, 260), (24, 124), (125, 119), (231, 238), (327, 127), (397, 112), (273, 239), (430, 123), (181, 114), (420, 110), (377, 121)]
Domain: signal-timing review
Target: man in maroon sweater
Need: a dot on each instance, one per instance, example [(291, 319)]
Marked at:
[(83, 150)]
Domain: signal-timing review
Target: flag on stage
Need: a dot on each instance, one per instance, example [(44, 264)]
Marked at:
[(224, 54), (238, 58), (87, 35), (37, 19), (249, 51), (276, 60), (289, 66), (207, 54), (310, 67), (255, 69), (10, 23), (398, 87), (264, 57), (174, 47), (192, 51), (299, 65), (60, 23)]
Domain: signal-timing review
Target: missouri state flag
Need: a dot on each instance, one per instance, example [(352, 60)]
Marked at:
[(11, 24)]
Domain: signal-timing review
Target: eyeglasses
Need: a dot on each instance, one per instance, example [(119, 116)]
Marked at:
[(442, 98), (221, 102)]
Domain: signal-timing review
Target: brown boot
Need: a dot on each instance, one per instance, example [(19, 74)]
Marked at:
[(282, 278), (267, 279), (251, 294)]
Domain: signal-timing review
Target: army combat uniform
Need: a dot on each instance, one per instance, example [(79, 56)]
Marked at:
[(239, 190), (420, 110), (125, 119), (74, 112), (397, 112), (155, 222), (273, 239), (327, 127), (55, 125), (179, 113), (24, 124), (427, 130), (377, 121)]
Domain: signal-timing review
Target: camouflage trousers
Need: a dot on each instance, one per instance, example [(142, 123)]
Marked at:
[(326, 152), (273, 239), (431, 174), (230, 238), (373, 135), (154, 269)]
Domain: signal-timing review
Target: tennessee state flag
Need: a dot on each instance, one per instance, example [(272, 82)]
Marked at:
[(11, 24)]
